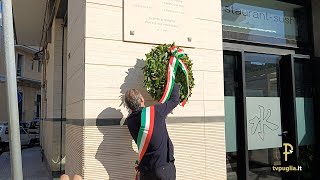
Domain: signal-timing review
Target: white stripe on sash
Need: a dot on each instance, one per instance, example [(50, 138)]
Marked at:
[(146, 130)]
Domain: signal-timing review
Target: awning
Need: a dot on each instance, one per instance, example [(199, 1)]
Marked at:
[(28, 21)]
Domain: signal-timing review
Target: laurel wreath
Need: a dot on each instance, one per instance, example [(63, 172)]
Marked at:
[(155, 72)]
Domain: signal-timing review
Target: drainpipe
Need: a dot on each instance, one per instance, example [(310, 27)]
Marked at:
[(62, 89), (61, 99), (43, 98), (9, 58)]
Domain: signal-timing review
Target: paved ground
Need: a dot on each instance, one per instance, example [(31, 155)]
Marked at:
[(33, 168)]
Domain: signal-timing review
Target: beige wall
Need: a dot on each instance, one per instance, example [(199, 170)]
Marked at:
[(74, 150), (53, 72), (75, 86), (75, 62), (51, 144), (29, 98), (51, 139), (2, 72), (3, 98), (104, 67), (2, 65)]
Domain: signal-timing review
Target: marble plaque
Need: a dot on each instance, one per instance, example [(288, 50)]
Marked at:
[(158, 21)]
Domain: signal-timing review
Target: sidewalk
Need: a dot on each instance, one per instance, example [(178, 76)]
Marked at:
[(33, 168)]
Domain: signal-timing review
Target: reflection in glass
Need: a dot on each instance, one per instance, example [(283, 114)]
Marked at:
[(262, 75), (305, 116), (262, 90), (266, 21), (230, 116)]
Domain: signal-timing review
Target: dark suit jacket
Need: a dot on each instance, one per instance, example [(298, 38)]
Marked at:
[(160, 150)]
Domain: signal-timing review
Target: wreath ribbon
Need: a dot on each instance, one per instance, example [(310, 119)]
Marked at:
[(174, 63)]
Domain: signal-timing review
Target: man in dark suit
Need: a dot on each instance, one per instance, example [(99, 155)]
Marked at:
[(158, 161)]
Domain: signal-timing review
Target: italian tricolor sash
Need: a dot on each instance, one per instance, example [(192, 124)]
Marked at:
[(174, 63), (145, 132)]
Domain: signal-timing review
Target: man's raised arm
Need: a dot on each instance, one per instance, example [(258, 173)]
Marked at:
[(167, 107)]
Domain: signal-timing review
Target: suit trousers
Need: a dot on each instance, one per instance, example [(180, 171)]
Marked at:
[(167, 172)]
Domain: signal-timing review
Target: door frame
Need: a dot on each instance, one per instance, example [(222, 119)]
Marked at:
[(288, 112), (316, 83), (241, 114), (315, 61)]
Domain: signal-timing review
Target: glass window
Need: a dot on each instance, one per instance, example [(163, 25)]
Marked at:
[(38, 106), (39, 66), (264, 21), (19, 64), (262, 75), (304, 102), (229, 64), (305, 115), (2, 78), (32, 65)]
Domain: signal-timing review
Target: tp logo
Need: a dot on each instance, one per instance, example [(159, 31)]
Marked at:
[(286, 152)]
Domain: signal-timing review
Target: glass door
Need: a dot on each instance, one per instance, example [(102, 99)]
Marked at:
[(264, 125), (301, 102), (272, 107), (304, 90)]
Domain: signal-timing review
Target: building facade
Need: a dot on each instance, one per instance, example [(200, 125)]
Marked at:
[(29, 74), (256, 94)]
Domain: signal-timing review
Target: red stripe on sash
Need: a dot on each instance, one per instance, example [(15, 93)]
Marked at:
[(148, 138)]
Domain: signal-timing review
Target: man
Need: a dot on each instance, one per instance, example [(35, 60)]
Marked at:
[(158, 161)]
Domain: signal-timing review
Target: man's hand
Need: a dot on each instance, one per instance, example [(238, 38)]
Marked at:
[(66, 177)]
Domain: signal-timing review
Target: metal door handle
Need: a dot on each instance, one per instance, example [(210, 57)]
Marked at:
[(284, 133)]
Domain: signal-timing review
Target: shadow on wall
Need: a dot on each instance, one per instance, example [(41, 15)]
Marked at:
[(134, 80), (115, 152)]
